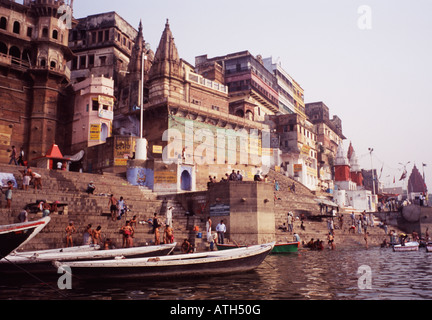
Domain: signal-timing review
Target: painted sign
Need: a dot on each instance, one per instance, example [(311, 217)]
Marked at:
[(157, 149), (219, 210), (165, 177), (95, 132), (298, 168)]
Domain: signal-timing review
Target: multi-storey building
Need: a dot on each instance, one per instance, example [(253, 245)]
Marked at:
[(329, 137), (102, 44), (34, 78), (253, 89), (93, 112), (296, 133), (297, 139), (287, 89)]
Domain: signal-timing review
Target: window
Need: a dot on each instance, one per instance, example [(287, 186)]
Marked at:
[(103, 60), (74, 63), (100, 36), (3, 48), (16, 27), (29, 32), (95, 105), (45, 32), (53, 64), (83, 62), (3, 23), (94, 39), (91, 60), (106, 35), (55, 34)]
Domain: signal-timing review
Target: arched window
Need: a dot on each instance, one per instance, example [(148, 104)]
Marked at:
[(43, 63), (16, 27), (3, 23), (15, 52), (53, 64), (45, 32), (55, 34), (3, 48)]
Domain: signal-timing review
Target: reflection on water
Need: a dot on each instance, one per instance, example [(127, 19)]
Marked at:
[(327, 275)]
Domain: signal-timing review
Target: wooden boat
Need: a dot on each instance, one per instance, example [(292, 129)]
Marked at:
[(17, 235), (409, 246), (185, 265), (89, 247), (279, 248), (429, 247), (42, 262)]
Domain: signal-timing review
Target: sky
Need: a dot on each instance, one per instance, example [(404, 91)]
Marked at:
[(371, 67)]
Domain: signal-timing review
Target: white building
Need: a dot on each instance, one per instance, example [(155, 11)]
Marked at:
[(349, 192)]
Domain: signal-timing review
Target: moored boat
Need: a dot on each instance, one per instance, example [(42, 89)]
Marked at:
[(42, 262), (57, 250), (186, 265), (288, 247), (429, 247), (409, 246), (17, 235)]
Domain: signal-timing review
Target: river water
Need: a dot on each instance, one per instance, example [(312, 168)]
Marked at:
[(307, 275)]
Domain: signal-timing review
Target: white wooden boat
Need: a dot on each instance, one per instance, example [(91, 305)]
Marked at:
[(409, 246), (429, 247), (36, 253), (15, 236), (185, 265), (42, 263)]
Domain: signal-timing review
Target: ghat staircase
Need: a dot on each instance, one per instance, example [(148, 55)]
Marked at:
[(83, 209), (70, 188)]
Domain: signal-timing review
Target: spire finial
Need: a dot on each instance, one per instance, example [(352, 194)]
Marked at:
[(167, 23)]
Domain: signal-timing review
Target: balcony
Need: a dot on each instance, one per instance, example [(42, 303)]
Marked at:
[(13, 62)]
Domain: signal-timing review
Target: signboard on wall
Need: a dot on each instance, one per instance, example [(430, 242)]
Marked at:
[(157, 149), (218, 210), (124, 148), (95, 132), (298, 168), (165, 177)]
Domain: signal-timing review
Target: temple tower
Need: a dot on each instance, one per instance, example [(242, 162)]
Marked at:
[(50, 77), (166, 75), (342, 165)]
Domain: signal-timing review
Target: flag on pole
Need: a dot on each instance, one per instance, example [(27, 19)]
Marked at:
[(404, 175)]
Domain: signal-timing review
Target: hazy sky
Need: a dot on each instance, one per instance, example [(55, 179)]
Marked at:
[(377, 80)]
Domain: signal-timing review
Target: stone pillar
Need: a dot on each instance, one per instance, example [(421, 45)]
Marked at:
[(247, 209)]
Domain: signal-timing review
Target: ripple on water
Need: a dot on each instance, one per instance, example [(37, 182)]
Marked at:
[(307, 275)]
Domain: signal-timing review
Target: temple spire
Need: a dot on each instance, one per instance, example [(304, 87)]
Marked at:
[(167, 60)]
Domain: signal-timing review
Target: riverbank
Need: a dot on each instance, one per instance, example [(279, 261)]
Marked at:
[(69, 188)]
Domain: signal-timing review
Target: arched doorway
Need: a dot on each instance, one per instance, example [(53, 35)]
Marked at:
[(186, 181), (104, 132)]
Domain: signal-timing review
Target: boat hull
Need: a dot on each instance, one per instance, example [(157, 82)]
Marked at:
[(15, 236), (408, 247), (42, 263), (280, 248), (185, 266)]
